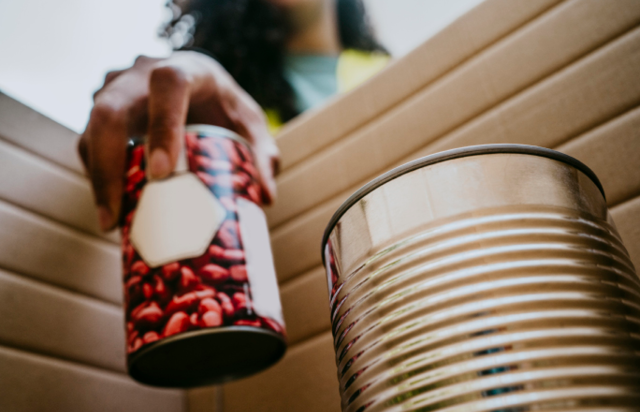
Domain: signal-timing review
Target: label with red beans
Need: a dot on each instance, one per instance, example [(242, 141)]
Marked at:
[(195, 246)]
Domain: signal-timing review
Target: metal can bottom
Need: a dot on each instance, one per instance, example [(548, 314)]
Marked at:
[(206, 357)]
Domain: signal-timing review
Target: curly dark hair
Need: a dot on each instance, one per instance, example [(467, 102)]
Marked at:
[(248, 37)]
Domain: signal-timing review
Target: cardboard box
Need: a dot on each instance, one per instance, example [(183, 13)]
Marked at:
[(61, 321)]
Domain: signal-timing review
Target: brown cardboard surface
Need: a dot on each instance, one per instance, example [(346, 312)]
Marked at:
[(472, 32), (48, 189), (37, 133), (602, 85), (305, 380), (206, 399), (34, 383), (612, 151), (480, 83), (42, 249), (305, 303), (60, 350), (296, 245), (627, 219), (52, 321)]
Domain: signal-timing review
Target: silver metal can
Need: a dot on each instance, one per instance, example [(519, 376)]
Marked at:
[(487, 278)]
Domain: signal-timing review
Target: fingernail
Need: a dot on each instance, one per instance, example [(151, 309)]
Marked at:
[(159, 165), (105, 218)]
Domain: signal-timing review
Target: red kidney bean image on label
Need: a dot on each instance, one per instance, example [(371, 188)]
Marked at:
[(229, 285)]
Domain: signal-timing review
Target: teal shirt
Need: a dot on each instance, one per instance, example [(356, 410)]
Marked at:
[(312, 77)]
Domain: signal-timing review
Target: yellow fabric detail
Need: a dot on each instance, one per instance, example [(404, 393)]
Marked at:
[(274, 122), (354, 68)]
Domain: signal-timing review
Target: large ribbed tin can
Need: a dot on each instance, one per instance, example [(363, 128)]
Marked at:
[(201, 296), (487, 278)]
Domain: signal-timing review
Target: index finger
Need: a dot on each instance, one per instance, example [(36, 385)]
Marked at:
[(168, 108), (105, 147)]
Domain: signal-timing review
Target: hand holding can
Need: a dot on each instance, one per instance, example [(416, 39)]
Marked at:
[(157, 97)]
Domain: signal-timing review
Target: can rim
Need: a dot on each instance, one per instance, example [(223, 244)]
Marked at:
[(209, 128), (133, 358), (450, 155), (206, 128)]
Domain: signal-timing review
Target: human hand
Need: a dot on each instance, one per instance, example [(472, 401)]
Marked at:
[(157, 97)]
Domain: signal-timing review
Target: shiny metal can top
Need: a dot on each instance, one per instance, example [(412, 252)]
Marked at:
[(467, 151), (216, 131)]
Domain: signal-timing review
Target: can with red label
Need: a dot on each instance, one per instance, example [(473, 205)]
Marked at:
[(201, 295)]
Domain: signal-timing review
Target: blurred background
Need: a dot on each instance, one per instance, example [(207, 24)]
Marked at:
[(54, 55)]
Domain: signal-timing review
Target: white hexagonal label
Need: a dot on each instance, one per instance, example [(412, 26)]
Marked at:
[(175, 219)]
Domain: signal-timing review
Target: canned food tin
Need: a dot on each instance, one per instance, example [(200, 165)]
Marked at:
[(488, 278), (201, 295)]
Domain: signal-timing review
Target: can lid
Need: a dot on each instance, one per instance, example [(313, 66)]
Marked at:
[(206, 356), (449, 155), (216, 130), (205, 129)]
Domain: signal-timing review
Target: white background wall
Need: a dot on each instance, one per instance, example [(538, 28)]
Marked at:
[(53, 54), (403, 24)]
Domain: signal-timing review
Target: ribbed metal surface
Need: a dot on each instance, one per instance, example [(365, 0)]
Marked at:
[(522, 306)]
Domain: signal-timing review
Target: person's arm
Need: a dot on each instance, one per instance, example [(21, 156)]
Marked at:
[(157, 97)]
